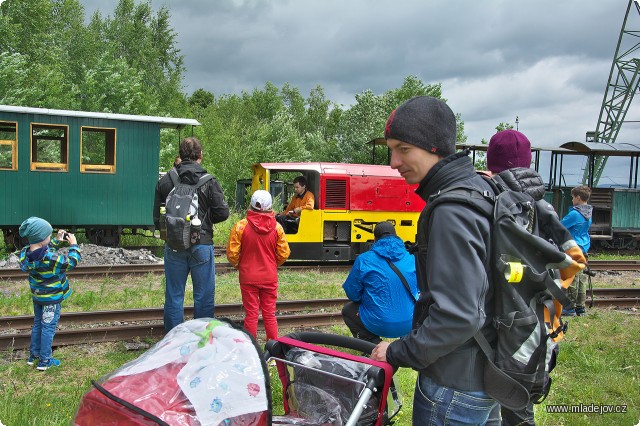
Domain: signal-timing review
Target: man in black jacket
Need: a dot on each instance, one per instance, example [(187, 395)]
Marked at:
[(197, 259), (453, 270)]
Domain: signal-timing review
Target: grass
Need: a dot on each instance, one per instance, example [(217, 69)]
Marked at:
[(620, 255), (599, 360)]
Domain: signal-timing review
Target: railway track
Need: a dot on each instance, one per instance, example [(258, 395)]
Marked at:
[(223, 268), (158, 268), (103, 326), (614, 265)]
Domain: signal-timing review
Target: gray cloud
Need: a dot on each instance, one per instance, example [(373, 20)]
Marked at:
[(546, 62)]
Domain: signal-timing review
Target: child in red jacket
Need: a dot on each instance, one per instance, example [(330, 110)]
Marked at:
[(256, 247)]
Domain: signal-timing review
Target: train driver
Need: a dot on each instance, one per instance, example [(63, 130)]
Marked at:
[(302, 200)]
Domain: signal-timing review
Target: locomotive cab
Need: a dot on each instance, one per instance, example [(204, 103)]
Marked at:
[(350, 199)]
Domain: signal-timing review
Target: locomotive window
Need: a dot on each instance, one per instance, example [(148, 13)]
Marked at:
[(98, 150), (8, 146), (49, 147)]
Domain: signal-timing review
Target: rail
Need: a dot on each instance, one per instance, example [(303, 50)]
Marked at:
[(104, 326), (158, 268)]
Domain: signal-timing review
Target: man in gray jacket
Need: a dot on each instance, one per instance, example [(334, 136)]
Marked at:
[(453, 270)]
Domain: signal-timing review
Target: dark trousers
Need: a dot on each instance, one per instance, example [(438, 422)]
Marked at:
[(358, 329)]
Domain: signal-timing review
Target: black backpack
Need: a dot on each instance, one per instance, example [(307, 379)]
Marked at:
[(182, 206), (528, 295)]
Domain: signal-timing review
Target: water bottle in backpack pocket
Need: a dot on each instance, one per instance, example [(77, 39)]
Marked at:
[(181, 207), (195, 230)]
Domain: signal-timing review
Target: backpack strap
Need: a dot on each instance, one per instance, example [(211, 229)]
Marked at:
[(173, 175), (482, 201), (175, 178), (498, 384), (402, 278), (203, 179)]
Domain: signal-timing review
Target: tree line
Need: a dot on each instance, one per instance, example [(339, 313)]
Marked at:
[(129, 63)]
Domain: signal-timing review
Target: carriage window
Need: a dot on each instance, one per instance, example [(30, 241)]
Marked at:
[(8, 146), (98, 150), (49, 148)]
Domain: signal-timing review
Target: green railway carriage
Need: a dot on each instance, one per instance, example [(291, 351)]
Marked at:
[(616, 211), (79, 170), (616, 217)]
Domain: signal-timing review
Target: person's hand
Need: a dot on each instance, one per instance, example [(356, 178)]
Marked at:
[(60, 234), (379, 353), (71, 238)]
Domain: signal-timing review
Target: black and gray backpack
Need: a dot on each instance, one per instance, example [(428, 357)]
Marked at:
[(181, 206), (528, 295)]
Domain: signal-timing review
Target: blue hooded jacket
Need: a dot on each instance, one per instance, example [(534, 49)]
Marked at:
[(386, 308), (578, 221)]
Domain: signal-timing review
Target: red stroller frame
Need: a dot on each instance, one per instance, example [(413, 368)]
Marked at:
[(371, 380)]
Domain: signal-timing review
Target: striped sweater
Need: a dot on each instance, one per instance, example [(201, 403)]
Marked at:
[(47, 273)]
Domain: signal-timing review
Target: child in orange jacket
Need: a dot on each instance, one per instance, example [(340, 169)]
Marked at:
[(256, 247)]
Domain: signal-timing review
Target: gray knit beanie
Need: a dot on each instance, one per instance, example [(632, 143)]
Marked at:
[(425, 122)]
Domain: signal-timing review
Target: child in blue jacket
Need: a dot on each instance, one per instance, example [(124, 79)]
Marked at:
[(578, 221), (49, 285)]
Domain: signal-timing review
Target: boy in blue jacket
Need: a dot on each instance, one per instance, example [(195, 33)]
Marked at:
[(49, 285), (578, 221)]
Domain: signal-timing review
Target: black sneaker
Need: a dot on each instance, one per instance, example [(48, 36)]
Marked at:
[(580, 311)]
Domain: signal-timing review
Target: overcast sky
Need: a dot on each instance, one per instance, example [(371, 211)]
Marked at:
[(546, 62)]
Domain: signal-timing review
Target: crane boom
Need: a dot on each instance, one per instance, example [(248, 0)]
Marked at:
[(622, 85)]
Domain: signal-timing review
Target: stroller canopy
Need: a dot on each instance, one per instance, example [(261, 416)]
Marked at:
[(203, 372)]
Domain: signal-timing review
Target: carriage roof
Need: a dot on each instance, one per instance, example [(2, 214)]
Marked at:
[(168, 122)]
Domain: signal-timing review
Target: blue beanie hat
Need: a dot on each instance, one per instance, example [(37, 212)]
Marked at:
[(35, 230)]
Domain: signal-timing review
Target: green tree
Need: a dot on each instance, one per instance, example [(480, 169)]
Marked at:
[(366, 119), (147, 43), (67, 61), (114, 86), (39, 32), (201, 99), (280, 125), (25, 84), (504, 126)]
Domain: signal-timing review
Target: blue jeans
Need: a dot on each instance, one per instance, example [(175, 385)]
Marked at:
[(45, 321), (436, 405), (177, 264)]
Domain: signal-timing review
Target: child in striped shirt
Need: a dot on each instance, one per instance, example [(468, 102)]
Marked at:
[(48, 281)]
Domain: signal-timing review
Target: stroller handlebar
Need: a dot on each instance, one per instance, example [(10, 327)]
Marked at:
[(333, 340)]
